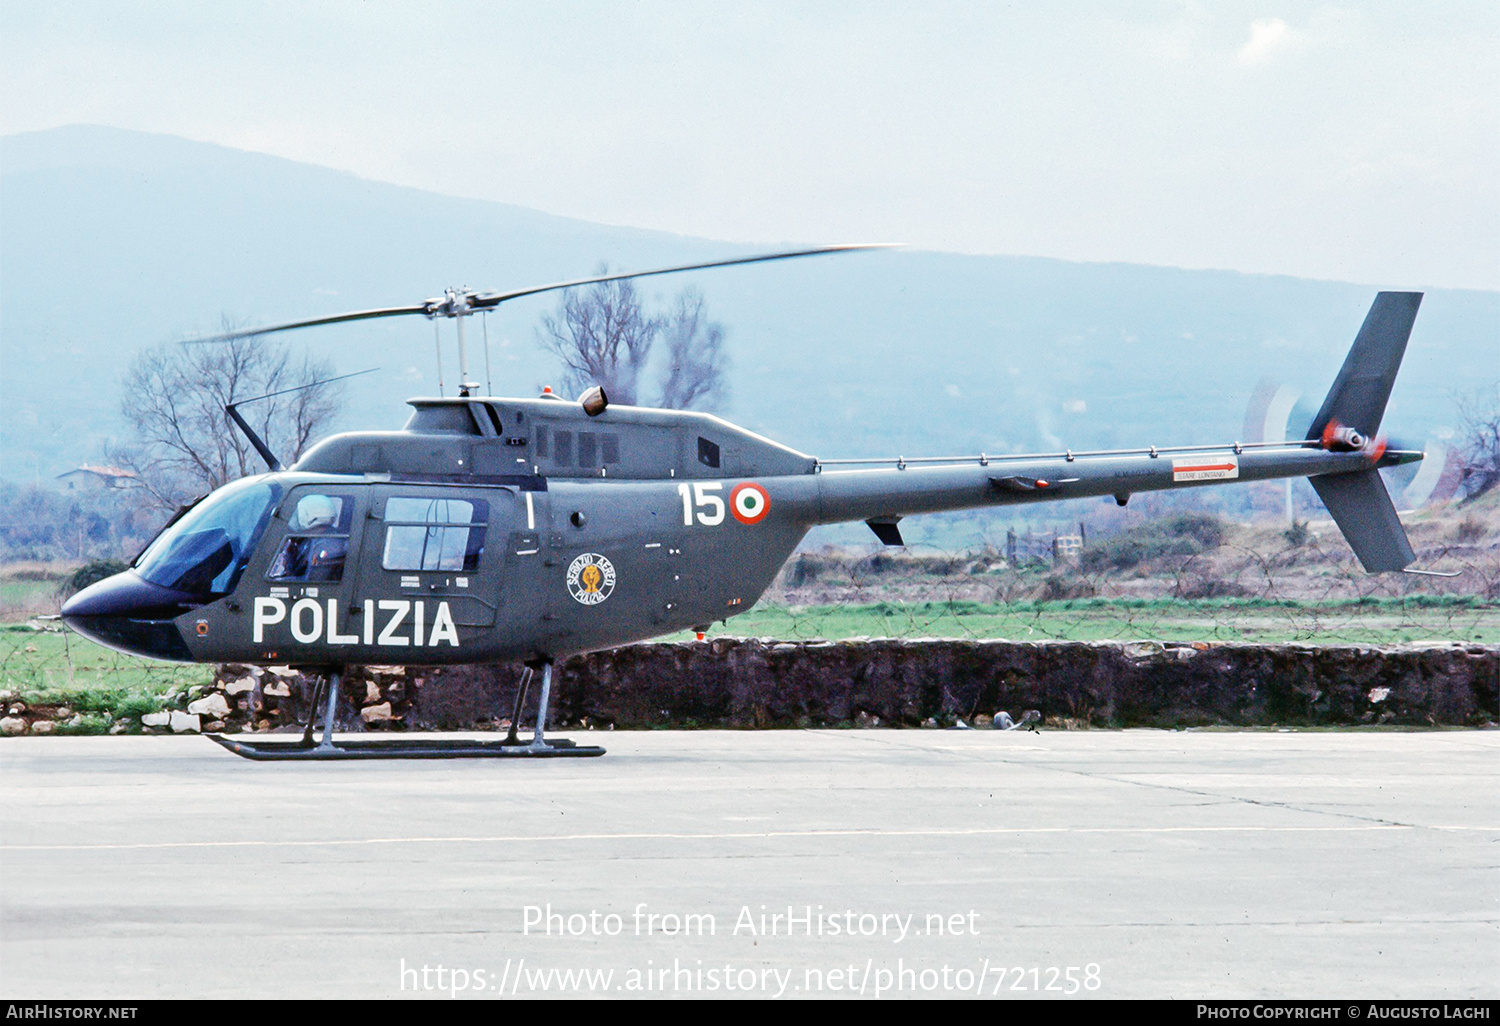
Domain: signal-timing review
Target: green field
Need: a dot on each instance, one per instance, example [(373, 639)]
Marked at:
[(57, 667), (29, 589), (1382, 621)]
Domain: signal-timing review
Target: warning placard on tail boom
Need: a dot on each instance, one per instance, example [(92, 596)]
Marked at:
[(1205, 468)]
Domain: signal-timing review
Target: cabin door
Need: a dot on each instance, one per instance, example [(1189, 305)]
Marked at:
[(529, 559), (311, 580), (438, 545)]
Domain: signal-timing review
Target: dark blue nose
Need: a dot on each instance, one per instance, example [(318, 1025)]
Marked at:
[(130, 614)]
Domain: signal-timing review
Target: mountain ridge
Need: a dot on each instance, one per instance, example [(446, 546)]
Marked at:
[(112, 241)]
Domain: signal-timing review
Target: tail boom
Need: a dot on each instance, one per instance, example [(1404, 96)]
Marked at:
[(835, 496), (1342, 456)]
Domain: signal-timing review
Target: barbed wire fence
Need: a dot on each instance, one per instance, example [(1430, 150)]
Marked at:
[(1311, 593), (1243, 589), (44, 659)]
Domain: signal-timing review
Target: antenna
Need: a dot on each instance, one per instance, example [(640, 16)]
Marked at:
[(232, 409), (489, 387)]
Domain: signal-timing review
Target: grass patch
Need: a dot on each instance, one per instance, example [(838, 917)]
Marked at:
[(85, 725), (30, 588), (1381, 621), (50, 667)]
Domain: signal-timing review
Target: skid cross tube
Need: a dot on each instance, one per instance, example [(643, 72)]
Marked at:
[(537, 744), (312, 710), (326, 744), (515, 712)]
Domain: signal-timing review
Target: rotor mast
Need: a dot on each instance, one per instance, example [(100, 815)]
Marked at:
[(455, 304)]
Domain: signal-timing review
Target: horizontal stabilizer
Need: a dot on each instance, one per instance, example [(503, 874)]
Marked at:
[(1364, 512), (887, 531)]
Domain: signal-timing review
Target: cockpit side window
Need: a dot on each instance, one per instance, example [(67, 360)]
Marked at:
[(205, 552), (320, 514), (317, 541)]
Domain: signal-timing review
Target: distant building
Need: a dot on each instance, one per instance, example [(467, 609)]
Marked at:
[(1066, 547), (1029, 548), (93, 479)]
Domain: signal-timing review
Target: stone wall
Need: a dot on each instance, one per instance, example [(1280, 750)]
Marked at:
[(748, 683)]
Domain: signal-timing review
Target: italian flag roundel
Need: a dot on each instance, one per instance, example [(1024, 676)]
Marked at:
[(749, 502)]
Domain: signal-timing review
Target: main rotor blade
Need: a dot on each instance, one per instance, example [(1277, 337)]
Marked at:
[(358, 315), (486, 300), (490, 300)]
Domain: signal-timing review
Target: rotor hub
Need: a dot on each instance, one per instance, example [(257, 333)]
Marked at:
[(452, 303)]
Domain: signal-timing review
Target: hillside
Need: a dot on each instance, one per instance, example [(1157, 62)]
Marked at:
[(115, 240)]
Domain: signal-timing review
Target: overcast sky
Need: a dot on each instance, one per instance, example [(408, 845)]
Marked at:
[(1358, 142)]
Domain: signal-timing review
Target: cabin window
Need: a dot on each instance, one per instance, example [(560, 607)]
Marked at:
[(317, 541), (541, 440), (443, 420), (708, 453), (562, 448), (205, 548), (587, 449), (310, 559), (610, 447), (494, 419), (320, 514), (434, 534)]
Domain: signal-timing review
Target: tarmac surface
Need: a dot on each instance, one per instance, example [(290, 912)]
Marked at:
[(1356, 864)]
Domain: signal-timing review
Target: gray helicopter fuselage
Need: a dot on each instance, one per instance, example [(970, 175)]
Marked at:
[(498, 529), (490, 529)]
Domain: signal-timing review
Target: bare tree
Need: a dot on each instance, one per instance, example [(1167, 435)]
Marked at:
[(696, 362), (1479, 415), (602, 336), (174, 399)]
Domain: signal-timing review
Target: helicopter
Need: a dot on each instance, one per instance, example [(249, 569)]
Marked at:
[(509, 529)]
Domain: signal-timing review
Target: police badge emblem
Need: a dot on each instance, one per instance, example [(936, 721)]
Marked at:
[(591, 577)]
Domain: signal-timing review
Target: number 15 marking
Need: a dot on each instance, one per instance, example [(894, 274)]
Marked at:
[(713, 515)]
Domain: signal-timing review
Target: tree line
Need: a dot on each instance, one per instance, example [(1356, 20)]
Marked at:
[(182, 444)]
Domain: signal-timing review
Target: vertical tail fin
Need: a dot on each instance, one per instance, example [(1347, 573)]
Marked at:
[(1358, 501), (1359, 394)]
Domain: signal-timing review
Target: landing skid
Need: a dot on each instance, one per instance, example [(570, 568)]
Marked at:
[(406, 748), (511, 747)]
